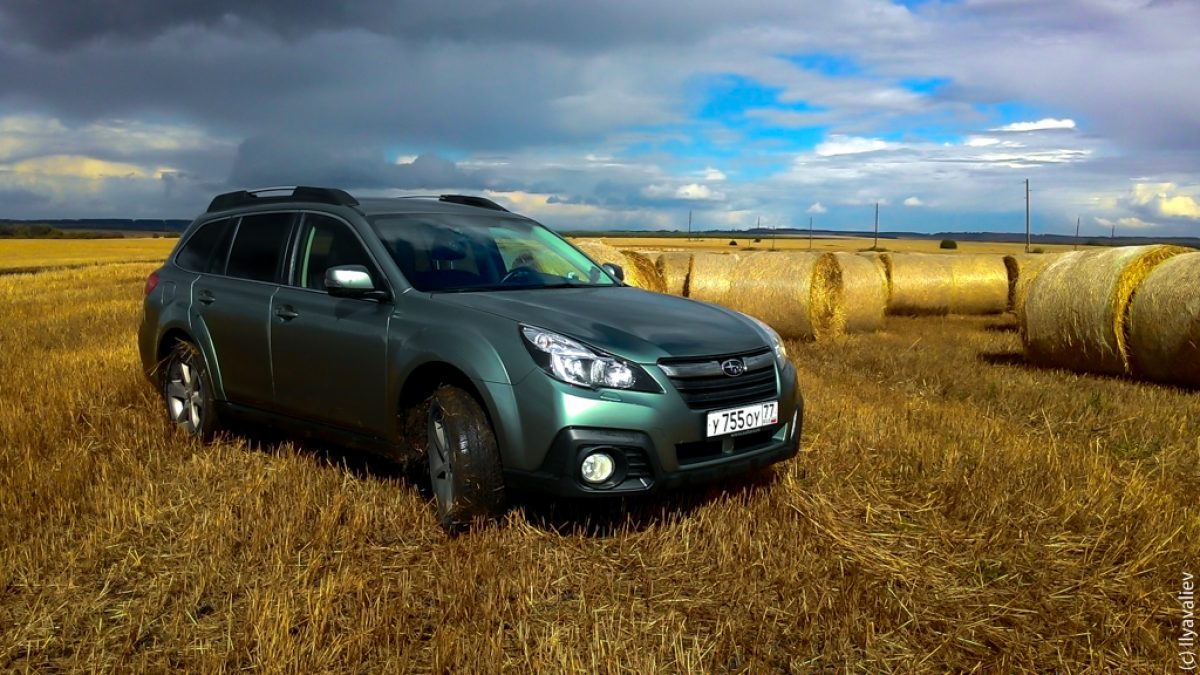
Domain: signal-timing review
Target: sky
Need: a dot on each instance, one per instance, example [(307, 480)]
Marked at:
[(621, 114)]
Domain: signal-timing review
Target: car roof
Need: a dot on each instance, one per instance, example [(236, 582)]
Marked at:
[(301, 196)]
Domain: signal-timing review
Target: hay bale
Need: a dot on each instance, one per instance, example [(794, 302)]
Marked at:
[(641, 271), (675, 267), (864, 292), (1022, 268), (884, 263), (797, 294), (1164, 323), (1075, 310), (922, 284), (979, 284), (710, 276), (599, 251)]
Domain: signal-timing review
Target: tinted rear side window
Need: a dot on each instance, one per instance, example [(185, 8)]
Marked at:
[(258, 246), (205, 251)]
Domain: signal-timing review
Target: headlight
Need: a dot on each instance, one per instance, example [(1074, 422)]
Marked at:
[(776, 341), (575, 363)]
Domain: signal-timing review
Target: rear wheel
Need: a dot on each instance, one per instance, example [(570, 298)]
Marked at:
[(464, 460), (187, 392)]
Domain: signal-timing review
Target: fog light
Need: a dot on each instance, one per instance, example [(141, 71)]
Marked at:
[(597, 467)]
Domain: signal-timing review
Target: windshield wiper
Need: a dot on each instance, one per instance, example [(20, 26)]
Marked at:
[(518, 287)]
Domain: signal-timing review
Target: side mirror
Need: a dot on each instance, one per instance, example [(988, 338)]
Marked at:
[(352, 281), (614, 270)]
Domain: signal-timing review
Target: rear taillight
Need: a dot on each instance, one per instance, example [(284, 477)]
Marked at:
[(151, 284)]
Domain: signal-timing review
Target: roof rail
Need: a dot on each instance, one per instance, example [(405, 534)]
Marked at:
[(465, 200), (294, 193), (472, 200)]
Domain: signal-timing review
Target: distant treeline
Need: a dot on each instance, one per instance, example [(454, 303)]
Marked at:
[(122, 224), (40, 231)]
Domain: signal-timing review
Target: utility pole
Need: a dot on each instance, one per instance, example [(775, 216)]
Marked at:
[(689, 225), (1027, 215), (810, 233), (876, 246), (1076, 247)]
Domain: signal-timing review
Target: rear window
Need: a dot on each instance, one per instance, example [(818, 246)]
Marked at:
[(258, 246), (205, 251)]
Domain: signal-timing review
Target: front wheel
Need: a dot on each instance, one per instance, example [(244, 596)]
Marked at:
[(187, 392), (464, 460)]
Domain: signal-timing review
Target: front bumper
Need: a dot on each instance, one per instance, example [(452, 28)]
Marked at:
[(657, 440)]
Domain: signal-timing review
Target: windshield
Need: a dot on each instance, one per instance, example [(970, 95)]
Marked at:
[(440, 252)]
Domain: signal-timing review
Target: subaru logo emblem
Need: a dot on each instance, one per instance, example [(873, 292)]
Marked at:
[(733, 367)]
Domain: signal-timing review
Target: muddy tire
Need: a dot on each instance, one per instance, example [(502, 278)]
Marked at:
[(464, 460)]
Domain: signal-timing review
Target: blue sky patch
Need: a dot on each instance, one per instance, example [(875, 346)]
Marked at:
[(828, 64)]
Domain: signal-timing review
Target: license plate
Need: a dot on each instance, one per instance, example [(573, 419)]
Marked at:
[(744, 418)]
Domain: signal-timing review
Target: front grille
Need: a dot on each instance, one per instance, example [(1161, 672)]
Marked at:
[(699, 451), (703, 386)]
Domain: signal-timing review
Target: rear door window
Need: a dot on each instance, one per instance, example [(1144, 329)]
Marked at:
[(258, 247), (206, 250)]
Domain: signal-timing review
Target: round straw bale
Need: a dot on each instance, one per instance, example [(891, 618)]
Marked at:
[(884, 262), (797, 294), (675, 266), (921, 283), (641, 271), (710, 276), (599, 251), (864, 292), (1022, 268), (1075, 310), (1164, 323), (979, 284)]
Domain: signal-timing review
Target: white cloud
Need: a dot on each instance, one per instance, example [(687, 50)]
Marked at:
[(695, 191), (1164, 199), (817, 207), (1040, 125), (714, 174), (914, 201), (981, 141), (838, 144), (1134, 222), (688, 192)]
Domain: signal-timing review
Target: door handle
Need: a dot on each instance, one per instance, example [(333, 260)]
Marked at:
[(286, 313), (205, 297)]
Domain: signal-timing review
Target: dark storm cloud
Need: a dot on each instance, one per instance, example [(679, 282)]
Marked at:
[(64, 24), (16, 199), (352, 87)]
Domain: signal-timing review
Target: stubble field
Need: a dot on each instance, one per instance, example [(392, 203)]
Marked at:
[(952, 509)]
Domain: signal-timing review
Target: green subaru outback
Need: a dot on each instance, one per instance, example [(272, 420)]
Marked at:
[(476, 337)]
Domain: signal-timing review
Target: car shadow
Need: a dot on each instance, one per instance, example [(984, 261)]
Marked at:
[(612, 516), (594, 517)]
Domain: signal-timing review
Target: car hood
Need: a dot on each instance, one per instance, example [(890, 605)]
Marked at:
[(625, 321)]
